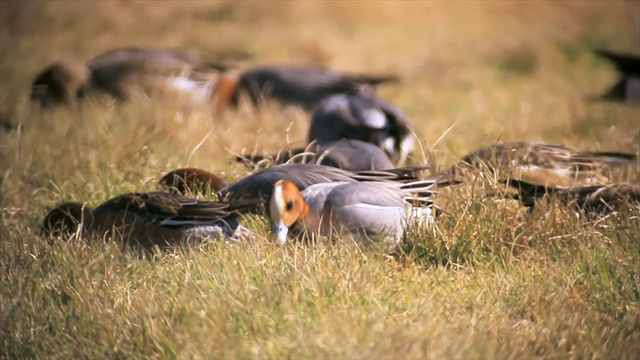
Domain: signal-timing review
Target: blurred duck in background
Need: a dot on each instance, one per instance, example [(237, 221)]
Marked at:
[(347, 154), (124, 73), (627, 89), (298, 85), (542, 162), (366, 118)]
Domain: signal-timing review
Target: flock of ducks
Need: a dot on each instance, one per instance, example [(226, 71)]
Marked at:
[(344, 182)]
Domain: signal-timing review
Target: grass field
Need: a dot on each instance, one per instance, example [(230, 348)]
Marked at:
[(485, 282)]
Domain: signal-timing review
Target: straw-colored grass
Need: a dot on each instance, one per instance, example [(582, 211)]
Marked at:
[(487, 281)]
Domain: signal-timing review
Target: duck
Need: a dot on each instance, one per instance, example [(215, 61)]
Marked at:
[(256, 185), (594, 200), (367, 118), (346, 154), (191, 180), (627, 89), (259, 184), (539, 160), (148, 220), (299, 85), (122, 73), (371, 212)]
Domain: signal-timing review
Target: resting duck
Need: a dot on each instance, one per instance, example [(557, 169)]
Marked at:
[(542, 161), (593, 200), (147, 220)]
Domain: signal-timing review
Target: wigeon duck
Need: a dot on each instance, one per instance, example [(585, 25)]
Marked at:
[(363, 117), (593, 200), (628, 86), (304, 86), (515, 159), (347, 154), (376, 211), (146, 220), (191, 181), (121, 72), (259, 184)]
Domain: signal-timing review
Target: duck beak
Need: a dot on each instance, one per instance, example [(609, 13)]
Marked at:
[(279, 231)]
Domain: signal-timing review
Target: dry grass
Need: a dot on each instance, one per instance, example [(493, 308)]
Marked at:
[(486, 282)]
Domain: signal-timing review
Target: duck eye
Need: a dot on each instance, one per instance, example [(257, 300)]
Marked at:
[(289, 205)]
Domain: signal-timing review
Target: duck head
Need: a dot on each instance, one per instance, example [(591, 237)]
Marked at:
[(65, 219), (186, 181), (60, 83), (286, 207)]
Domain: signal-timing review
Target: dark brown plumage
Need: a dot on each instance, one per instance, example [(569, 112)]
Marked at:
[(147, 220), (191, 181), (594, 200), (520, 158)]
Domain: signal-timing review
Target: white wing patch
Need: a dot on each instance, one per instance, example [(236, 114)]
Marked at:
[(374, 119), (197, 90), (183, 83)]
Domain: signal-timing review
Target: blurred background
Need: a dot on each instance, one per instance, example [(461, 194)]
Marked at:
[(472, 72)]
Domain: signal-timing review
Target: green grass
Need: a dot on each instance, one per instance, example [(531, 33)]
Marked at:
[(487, 281)]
